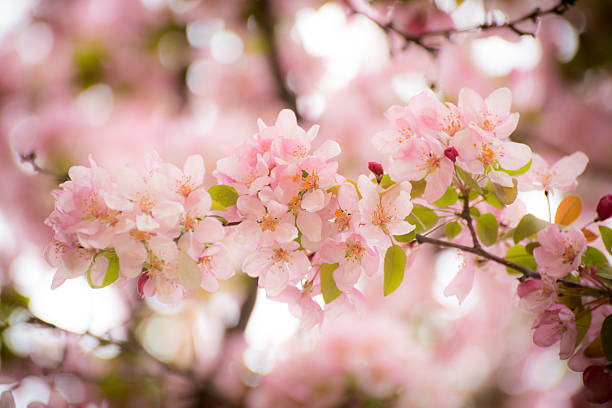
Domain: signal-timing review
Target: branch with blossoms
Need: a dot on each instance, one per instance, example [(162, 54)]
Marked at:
[(312, 233), (421, 39)]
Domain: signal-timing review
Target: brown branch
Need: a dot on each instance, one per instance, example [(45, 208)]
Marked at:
[(31, 158), (465, 214), (528, 273), (266, 21), (559, 9)]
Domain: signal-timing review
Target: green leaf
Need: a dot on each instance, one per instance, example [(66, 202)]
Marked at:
[(112, 270), (583, 322), (189, 271), (492, 200), (527, 226), (474, 212), (384, 182), (468, 180), (450, 197), (395, 263), (604, 271), (329, 290), (519, 255), (487, 227), (531, 246), (606, 237), (505, 195), (606, 337), (594, 257), (452, 229), (418, 188), (518, 172), (225, 196), (423, 218), (409, 237)]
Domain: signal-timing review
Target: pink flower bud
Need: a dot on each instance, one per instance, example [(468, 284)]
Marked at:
[(142, 279), (377, 169), (597, 384), (604, 208), (451, 153)]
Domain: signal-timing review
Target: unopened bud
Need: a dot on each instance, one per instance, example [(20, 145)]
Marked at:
[(604, 208), (377, 169), (451, 153), (142, 279), (597, 384)]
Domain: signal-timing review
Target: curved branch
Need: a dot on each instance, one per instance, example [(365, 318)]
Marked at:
[(558, 9), (529, 273)]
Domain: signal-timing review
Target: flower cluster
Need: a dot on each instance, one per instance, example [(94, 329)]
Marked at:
[(313, 234), (428, 137), (154, 224)]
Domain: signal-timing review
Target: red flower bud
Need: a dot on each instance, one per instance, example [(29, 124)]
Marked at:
[(376, 168), (451, 153), (597, 384), (604, 208)]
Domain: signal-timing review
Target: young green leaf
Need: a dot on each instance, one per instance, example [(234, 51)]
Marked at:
[(395, 263), (449, 198), (505, 195), (452, 229), (423, 218), (606, 237), (225, 196), (583, 322), (418, 188), (112, 270), (594, 257), (518, 172), (606, 337), (519, 255), (468, 180), (527, 226), (329, 290), (487, 228)]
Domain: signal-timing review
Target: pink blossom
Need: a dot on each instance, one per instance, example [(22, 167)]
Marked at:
[(394, 141), (384, 213), (353, 256), (491, 114), (425, 160), (537, 294), (478, 150), (277, 266), (560, 252), (556, 323), (561, 176), (264, 224)]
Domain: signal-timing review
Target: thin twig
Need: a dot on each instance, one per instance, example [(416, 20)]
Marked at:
[(529, 273), (559, 9), (465, 214)]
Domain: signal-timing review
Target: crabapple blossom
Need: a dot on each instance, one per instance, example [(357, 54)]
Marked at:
[(556, 323), (277, 266), (560, 176), (491, 114), (560, 252), (384, 212), (537, 294)]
